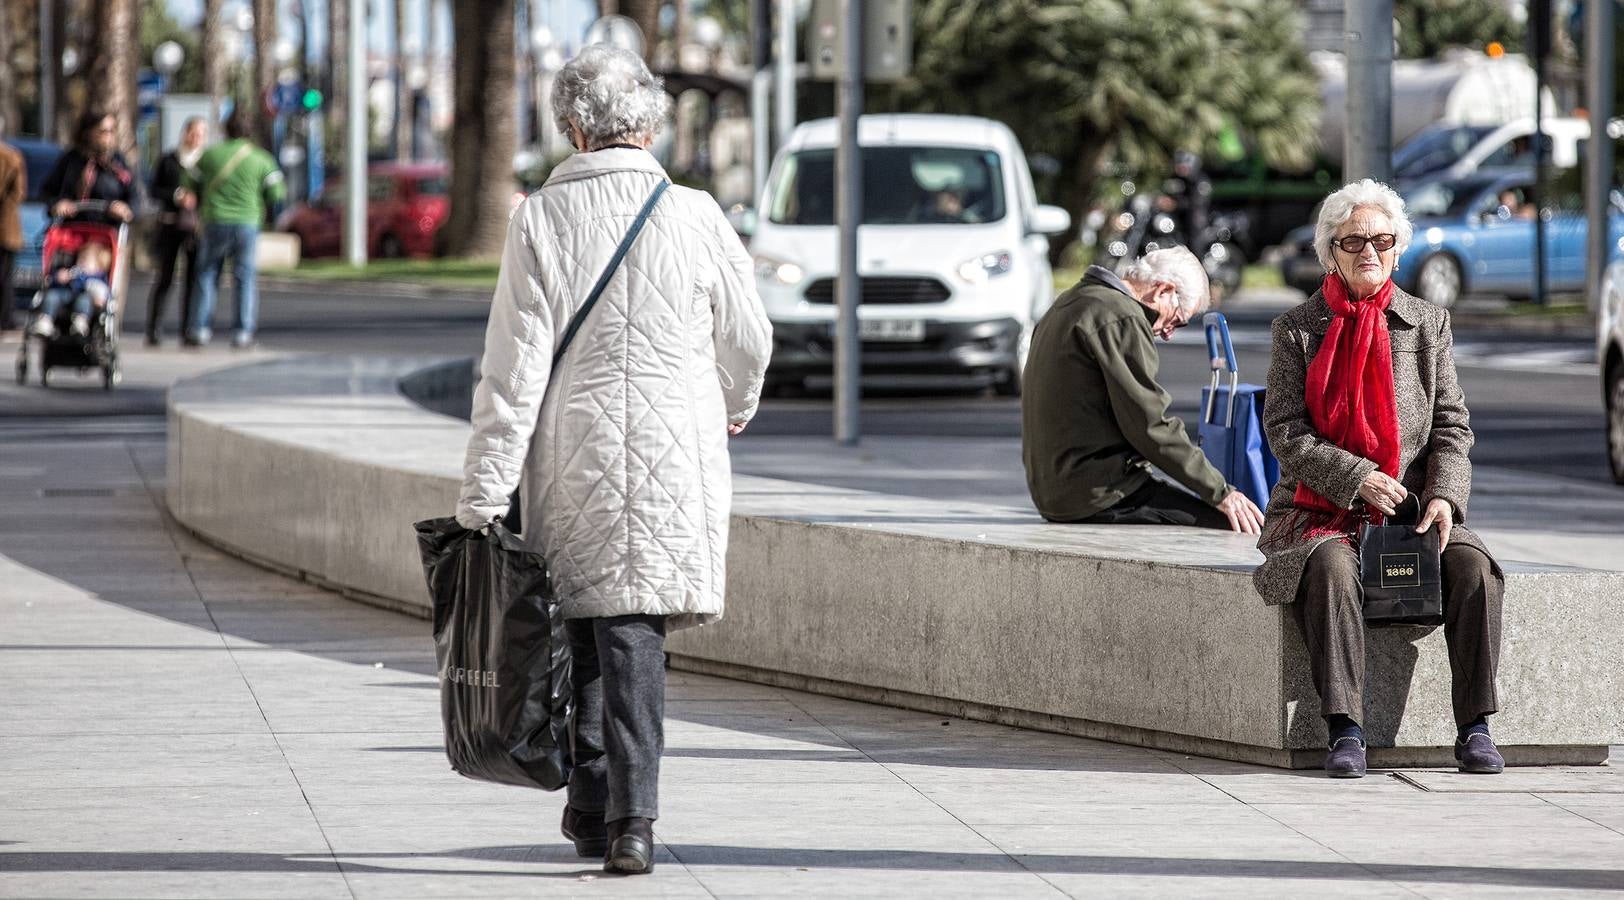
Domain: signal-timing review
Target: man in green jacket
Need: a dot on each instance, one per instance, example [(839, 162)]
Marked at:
[(1093, 419), (233, 182)]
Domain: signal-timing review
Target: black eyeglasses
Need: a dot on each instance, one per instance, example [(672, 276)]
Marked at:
[(1355, 243)]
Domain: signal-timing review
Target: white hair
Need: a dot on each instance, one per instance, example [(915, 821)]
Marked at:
[(1339, 208), (1178, 267), (610, 95)]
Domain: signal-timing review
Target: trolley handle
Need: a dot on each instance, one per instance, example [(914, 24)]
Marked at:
[(1217, 329)]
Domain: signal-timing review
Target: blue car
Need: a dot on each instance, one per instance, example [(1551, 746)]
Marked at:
[(1476, 235), (38, 157)]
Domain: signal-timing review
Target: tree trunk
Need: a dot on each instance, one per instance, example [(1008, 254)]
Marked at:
[(121, 49), (403, 94), (9, 76), (680, 31), (1079, 180), (646, 13), (214, 61), (608, 7), (334, 135), (61, 130), (265, 36), (482, 130)]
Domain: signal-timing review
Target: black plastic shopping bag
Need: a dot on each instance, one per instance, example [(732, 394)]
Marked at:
[(503, 656)]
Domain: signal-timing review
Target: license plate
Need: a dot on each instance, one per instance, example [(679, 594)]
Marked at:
[(899, 330)]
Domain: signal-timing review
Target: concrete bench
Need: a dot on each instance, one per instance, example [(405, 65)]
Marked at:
[(1149, 636)]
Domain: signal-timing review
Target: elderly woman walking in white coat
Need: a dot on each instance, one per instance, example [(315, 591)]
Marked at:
[(621, 448)]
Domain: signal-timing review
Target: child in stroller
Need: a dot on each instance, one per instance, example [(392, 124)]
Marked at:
[(83, 287), (85, 260)]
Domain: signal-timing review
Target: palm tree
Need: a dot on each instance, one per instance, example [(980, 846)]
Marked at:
[(265, 38), (1125, 81), (214, 61), (403, 127), (110, 60), (483, 136), (338, 43)]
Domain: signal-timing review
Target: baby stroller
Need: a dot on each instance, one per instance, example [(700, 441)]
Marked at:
[(99, 348)]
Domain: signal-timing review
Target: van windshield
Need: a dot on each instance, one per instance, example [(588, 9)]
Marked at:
[(901, 186)]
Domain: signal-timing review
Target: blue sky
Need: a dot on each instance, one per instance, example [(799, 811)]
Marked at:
[(567, 18)]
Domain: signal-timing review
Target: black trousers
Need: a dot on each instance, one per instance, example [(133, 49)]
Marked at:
[(1329, 609), (170, 243), (1159, 503), (8, 294), (619, 726)]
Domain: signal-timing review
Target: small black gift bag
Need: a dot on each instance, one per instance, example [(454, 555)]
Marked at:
[(1399, 570)]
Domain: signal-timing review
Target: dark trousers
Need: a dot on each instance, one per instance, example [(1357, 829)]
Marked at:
[(1329, 609), (170, 244), (1159, 503), (619, 727), (8, 294)]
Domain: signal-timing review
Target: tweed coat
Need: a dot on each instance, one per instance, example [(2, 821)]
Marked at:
[(1435, 434)]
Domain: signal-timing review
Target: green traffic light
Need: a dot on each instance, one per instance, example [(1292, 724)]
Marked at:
[(312, 99)]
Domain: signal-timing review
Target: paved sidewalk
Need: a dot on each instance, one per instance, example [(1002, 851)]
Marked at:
[(177, 723)]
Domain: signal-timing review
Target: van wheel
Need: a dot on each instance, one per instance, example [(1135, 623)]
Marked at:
[(1615, 422), (1440, 281), (390, 247)]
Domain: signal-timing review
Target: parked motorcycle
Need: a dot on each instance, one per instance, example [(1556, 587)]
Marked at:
[(1143, 225)]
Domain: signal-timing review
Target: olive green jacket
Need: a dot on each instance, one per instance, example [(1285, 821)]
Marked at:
[(1093, 419)]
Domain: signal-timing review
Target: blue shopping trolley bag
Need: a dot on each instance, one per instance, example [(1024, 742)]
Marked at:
[(1231, 432)]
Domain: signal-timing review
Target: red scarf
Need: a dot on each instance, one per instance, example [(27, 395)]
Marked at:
[(1349, 395)]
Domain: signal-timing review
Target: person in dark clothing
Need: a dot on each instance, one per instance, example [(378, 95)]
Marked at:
[(177, 226), (13, 190), (1094, 421), (93, 170)]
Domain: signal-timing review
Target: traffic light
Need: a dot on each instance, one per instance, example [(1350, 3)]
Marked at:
[(311, 101)]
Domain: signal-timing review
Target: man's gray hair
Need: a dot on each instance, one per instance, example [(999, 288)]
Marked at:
[(1339, 207), (610, 95), (1178, 267)]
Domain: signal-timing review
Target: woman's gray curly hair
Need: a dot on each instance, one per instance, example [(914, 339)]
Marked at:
[(1338, 208), (610, 95)]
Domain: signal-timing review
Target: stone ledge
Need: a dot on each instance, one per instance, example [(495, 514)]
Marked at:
[(319, 465)]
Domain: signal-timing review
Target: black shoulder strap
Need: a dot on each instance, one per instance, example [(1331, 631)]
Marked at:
[(609, 271), (514, 516)]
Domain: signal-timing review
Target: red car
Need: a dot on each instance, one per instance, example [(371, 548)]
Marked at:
[(406, 205)]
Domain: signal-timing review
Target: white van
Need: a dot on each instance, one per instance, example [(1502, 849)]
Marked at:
[(1511, 146), (953, 251)]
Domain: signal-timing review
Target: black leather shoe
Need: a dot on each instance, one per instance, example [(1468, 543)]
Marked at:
[(1346, 759), (1477, 755), (631, 847), (587, 831)]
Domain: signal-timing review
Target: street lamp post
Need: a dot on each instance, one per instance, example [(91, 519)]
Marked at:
[(355, 151)]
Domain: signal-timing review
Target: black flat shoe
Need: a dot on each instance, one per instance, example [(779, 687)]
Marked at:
[(1346, 759), (1477, 755), (586, 831), (631, 847)]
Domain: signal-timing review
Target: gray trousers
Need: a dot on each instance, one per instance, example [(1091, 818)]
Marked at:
[(618, 732), (1329, 609)]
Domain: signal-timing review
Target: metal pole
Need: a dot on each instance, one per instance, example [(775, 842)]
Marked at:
[(849, 211), (355, 151), (1368, 37), (1599, 50), (761, 51), (1539, 23), (49, 65), (785, 77)]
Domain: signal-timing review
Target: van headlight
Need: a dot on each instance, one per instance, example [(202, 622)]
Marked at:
[(777, 271), (978, 270)]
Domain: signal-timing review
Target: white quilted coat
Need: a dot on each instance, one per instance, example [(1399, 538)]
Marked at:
[(624, 459)]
